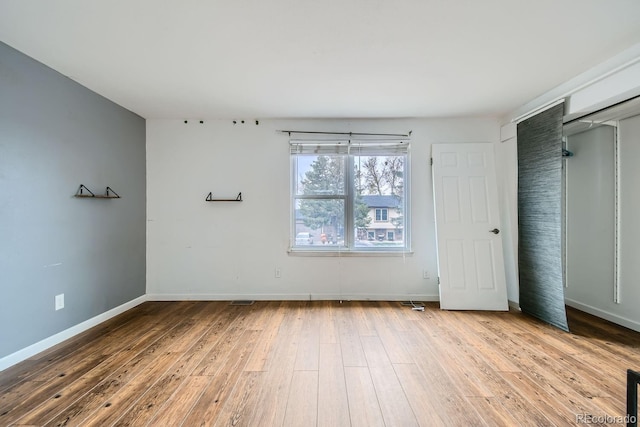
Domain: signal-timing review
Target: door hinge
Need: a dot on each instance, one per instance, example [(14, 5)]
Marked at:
[(438, 280), (432, 161)]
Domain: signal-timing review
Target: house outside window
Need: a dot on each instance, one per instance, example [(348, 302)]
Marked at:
[(349, 196), (385, 212)]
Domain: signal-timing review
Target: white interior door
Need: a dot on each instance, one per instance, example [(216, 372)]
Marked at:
[(470, 258)]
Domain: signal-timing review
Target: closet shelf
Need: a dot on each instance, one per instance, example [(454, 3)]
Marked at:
[(211, 199), (108, 193)]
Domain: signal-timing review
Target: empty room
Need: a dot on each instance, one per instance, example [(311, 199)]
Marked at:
[(355, 213)]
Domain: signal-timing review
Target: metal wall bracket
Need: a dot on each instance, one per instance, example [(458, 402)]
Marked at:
[(108, 194), (211, 199)]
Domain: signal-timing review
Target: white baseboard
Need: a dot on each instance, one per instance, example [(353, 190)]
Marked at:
[(49, 342), (514, 305), (619, 320), (291, 297)]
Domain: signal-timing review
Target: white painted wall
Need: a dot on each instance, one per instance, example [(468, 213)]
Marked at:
[(590, 218), (629, 146), (203, 250), (589, 262)]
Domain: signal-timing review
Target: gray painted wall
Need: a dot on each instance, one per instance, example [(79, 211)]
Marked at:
[(55, 135)]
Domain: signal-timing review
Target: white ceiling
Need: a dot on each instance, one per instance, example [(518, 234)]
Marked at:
[(320, 58)]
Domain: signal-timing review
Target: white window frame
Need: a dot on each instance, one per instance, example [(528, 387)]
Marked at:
[(351, 149), (385, 210)]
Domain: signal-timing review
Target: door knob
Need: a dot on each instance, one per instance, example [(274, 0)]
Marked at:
[(494, 231)]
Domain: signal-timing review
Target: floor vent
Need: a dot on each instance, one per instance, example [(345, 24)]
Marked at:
[(415, 306), (412, 304), (242, 302)]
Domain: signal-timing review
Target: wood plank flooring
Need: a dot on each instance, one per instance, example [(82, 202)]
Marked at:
[(323, 363)]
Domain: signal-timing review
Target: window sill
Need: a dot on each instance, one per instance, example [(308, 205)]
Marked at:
[(352, 253)]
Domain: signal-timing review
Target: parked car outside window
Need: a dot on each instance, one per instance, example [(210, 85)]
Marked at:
[(304, 238)]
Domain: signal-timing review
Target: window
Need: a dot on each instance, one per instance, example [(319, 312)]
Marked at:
[(349, 195), (382, 214)]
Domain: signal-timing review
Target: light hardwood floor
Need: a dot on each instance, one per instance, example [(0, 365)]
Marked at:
[(322, 363)]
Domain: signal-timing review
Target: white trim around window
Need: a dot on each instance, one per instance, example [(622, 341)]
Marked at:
[(328, 181)]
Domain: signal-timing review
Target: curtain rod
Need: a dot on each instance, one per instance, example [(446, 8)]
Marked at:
[(347, 133)]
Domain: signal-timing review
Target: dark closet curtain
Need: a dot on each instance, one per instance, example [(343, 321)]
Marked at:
[(540, 215)]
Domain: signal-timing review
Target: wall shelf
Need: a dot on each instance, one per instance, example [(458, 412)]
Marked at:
[(108, 193), (211, 199)]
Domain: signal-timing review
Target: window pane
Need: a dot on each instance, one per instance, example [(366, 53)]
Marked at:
[(368, 184), (379, 201), (319, 175), (319, 223)]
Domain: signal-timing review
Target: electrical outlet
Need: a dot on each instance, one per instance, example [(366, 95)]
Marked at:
[(278, 273), (425, 274), (59, 302)]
